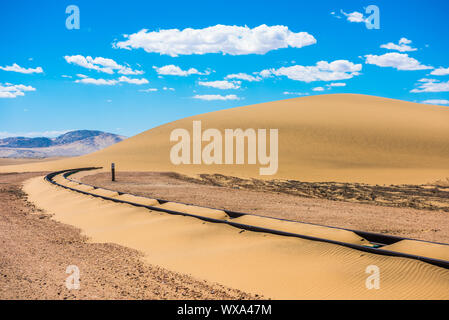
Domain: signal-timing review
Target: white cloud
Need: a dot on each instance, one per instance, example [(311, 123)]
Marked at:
[(243, 76), (223, 84), (403, 45), (327, 87), (295, 93), (354, 16), (168, 89), (129, 71), (400, 61), (148, 90), (133, 81), (431, 85), (16, 68), (172, 70), (440, 72), (233, 40), (322, 71), (336, 84), (99, 82), (100, 64), (335, 15), (266, 73), (436, 101), (427, 80), (87, 63), (12, 91), (210, 97), (110, 82), (66, 76)]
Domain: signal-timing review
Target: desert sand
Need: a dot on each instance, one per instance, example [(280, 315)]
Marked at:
[(338, 137), (36, 250), (16, 161), (275, 266)]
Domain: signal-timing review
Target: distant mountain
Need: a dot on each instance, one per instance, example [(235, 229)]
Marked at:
[(22, 142), (78, 135), (73, 143)]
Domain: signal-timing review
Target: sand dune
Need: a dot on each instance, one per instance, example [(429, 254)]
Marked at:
[(139, 200), (275, 266), (20, 161), (341, 137), (303, 229), (437, 251)]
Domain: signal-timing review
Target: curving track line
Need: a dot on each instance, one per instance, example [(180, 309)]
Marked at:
[(375, 241)]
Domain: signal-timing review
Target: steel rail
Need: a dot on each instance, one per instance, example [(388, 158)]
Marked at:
[(374, 238)]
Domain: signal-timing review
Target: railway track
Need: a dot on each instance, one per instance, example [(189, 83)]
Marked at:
[(355, 239)]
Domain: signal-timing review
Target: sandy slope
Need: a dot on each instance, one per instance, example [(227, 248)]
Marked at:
[(275, 266), (337, 137), (21, 161)]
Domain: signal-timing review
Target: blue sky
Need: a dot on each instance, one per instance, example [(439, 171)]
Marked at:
[(53, 79)]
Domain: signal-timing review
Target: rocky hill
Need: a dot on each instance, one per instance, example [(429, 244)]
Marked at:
[(73, 143)]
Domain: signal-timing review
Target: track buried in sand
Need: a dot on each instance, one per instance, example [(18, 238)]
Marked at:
[(265, 263), (431, 252)]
